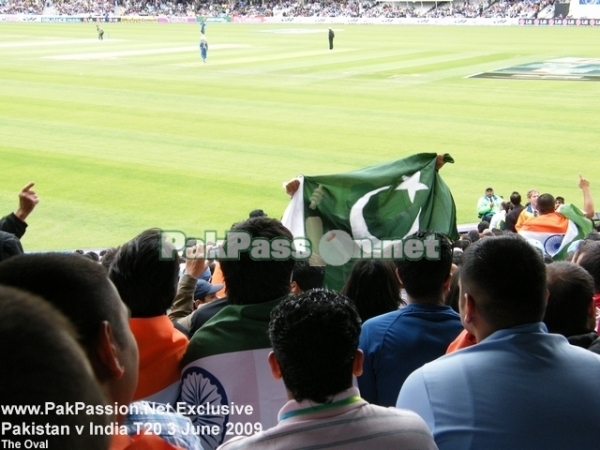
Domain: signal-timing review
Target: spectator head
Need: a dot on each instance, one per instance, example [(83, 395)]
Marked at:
[(515, 198), (462, 243), (146, 282), (559, 201), (482, 226), (503, 284), (80, 289), (251, 281), (570, 308), (426, 279), (532, 197), (457, 254), (257, 213), (10, 245), (43, 363), (109, 257), (473, 235), (306, 277), (205, 292), (315, 344), (546, 204), (593, 236), (451, 296), (374, 287), (93, 256), (489, 192), (588, 257)]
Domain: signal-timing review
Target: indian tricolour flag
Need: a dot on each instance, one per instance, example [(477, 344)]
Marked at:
[(226, 384), (351, 216), (556, 231)]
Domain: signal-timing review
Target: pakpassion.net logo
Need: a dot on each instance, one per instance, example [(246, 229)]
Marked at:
[(336, 247)]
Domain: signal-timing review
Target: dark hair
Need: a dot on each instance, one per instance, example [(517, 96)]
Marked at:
[(546, 204), (560, 199), (593, 236), (473, 235), (251, 281), (571, 290), (425, 277), (482, 226), (76, 286), (93, 256), (515, 198), (590, 261), (315, 338), (488, 266), (457, 255), (109, 257), (451, 298), (374, 288), (43, 363), (462, 243), (308, 277), (257, 213), (146, 282)]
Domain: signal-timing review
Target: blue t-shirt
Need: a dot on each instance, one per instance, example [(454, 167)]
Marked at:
[(397, 343)]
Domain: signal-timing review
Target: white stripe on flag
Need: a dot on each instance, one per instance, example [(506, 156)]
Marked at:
[(293, 216)]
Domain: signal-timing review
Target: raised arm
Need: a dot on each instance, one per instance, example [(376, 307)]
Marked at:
[(588, 202)]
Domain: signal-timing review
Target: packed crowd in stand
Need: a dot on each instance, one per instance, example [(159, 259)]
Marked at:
[(493, 338), (314, 8)]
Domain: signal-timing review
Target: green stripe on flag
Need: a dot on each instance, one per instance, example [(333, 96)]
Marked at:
[(579, 227)]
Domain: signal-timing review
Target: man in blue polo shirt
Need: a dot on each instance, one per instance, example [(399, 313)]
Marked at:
[(401, 341), (519, 387)]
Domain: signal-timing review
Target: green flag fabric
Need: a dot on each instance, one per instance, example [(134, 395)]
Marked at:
[(357, 215)]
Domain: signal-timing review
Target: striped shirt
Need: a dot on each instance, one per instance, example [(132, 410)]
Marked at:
[(347, 422)]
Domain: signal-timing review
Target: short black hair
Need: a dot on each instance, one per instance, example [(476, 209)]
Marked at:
[(108, 257), (251, 281), (315, 337), (42, 363), (257, 213), (590, 261), (571, 290), (146, 282), (473, 235), (482, 226), (374, 288), (76, 286), (462, 243), (308, 277), (425, 277), (546, 204), (507, 278), (593, 236), (515, 198)]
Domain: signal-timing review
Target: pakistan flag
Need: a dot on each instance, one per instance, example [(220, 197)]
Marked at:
[(357, 215)]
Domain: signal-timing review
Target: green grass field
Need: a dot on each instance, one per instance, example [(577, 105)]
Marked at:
[(136, 132)]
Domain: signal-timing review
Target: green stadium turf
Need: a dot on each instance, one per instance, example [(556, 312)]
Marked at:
[(136, 132)]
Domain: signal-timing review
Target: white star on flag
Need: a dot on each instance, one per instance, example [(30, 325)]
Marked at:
[(412, 184)]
